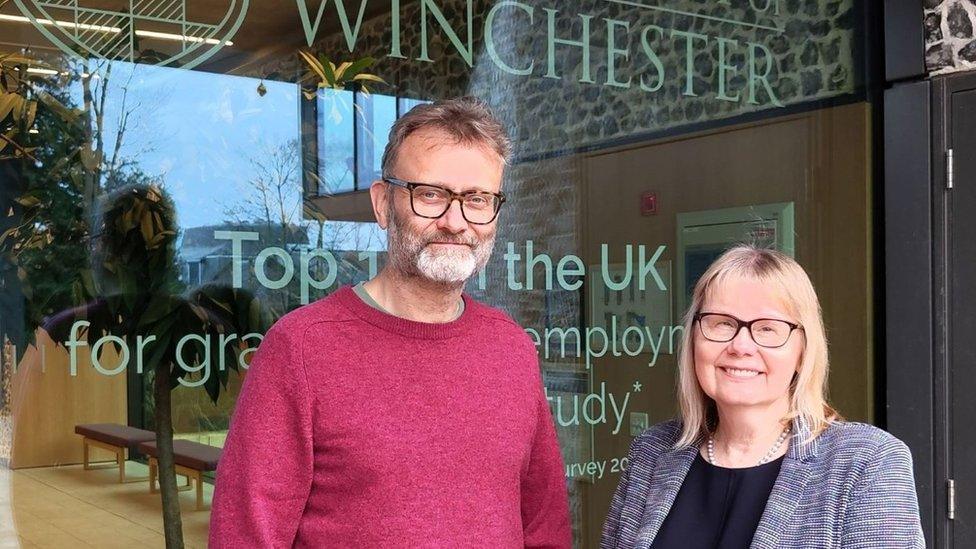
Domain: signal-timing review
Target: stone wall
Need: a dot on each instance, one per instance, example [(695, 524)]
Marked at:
[(809, 42), (950, 44)]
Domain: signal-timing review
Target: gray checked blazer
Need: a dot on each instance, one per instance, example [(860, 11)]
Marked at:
[(851, 487)]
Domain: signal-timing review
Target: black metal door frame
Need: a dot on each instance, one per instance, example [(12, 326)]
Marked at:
[(943, 90), (909, 286), (913, 274), (917, 134)]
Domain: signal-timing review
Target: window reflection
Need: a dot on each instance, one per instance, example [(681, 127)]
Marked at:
[(378, 114), (353, 129), (228, 150), (337, 151)]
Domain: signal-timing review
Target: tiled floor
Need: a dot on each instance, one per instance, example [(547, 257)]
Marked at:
[(68, 507)]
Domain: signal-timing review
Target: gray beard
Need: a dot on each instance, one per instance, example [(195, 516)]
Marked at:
[(410, 254)]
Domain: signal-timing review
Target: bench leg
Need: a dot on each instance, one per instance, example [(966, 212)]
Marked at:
[(126, 479), (199, 479), (120, 458), (153, 464), (154, 477), (86, 445)]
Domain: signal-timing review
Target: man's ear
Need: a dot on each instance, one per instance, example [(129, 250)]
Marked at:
[(379, 196)]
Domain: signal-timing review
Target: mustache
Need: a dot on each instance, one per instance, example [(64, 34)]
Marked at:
[(451, 239)]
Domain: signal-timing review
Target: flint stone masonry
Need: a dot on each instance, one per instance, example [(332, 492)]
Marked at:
[(958, 20), (562, 112), (950, 43), (807, 47), (933, 27)]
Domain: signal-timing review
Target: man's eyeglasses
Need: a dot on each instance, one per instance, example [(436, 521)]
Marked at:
[(766, 332), (433, 201)]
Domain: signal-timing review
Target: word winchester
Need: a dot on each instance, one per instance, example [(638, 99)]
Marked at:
[(633, 56)]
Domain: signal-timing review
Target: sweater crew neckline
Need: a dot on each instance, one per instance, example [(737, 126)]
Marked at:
[(406, 327)]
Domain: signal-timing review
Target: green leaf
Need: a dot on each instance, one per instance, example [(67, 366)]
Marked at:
[(369, 77), (339, 72), (199, 312), (212, 386), (313, 64), (128, 287), (8, 233), (66, 114), (330, 72), (160, 238), (31, 113), (27, 201), (88, 281), (358, 66), (20, 109), (160, 350), (89, 158), (8, 103), (78, 291), (161, 306), (14, 59), (146, 226)]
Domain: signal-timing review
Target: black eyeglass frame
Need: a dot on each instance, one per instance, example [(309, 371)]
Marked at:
[(411, 185), (748, 325)]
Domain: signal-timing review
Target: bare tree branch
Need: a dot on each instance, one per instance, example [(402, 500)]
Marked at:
[(122, 126)]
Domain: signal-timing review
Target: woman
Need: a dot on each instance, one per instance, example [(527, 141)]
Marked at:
[(758, 458)]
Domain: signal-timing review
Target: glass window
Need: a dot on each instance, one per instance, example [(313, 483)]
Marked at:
[(648, 138), (378, 112), (336, 136)]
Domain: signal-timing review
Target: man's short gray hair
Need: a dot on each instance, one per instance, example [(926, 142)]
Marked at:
[(467, 120)]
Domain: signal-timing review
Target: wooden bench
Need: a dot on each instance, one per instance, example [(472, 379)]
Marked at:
[(116, 439), (191, 460)]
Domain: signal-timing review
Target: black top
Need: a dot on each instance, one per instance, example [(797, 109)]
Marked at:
[(717, 507)]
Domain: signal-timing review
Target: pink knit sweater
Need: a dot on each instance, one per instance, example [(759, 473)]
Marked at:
[(356, 428)]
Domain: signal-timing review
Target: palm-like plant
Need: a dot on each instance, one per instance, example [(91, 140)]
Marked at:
[(134, 273), (325, 76), (18, 103)]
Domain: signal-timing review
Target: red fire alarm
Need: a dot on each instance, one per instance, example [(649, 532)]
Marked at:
[(648, 203)]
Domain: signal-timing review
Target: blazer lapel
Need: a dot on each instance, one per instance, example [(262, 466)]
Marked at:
[(787, 491), (670, 472), (782, 503)]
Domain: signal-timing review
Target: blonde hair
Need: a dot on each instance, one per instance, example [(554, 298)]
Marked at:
[(808, 389)]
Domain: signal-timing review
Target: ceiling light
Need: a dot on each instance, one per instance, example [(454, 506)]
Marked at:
[(69, 24), (179, 37), (115, 30), (38, 70)]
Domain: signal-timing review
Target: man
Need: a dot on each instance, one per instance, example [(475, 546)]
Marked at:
[(402, 413)]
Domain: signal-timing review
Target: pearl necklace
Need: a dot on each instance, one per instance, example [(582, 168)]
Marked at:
[(710, 447)]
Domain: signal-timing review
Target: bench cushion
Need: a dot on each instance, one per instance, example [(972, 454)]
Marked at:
[(193, 455), (122, 436)]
